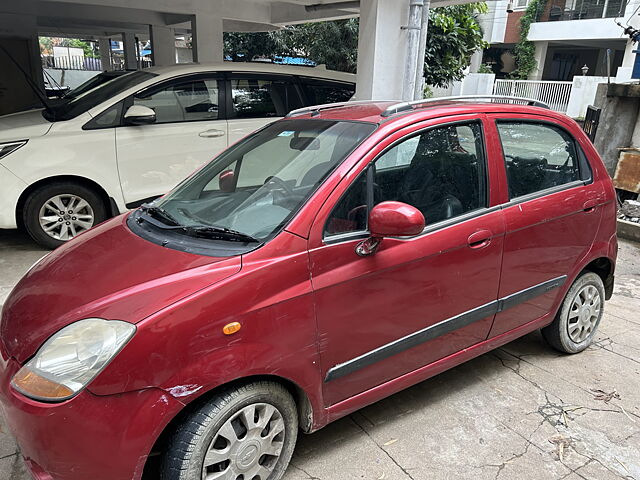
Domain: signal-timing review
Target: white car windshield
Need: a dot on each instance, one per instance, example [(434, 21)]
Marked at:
[(75, 104), (256, 186)]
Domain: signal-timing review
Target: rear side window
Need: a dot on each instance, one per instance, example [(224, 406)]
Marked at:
[(263, 98), (320, 92), (539, 156)]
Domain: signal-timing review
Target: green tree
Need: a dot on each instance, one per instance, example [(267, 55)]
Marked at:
[(334, 44), (453, 36), (525, 50), (245, 47), (86, 47)]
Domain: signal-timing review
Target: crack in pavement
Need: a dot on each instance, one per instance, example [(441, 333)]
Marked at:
[(601, 345), (551, 373), (404, 470), (311, 477)]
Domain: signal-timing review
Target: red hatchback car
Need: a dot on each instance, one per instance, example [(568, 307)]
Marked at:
[(322, 263)]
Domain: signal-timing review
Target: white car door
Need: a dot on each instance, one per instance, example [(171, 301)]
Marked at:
[(259, 99), (189, 130)]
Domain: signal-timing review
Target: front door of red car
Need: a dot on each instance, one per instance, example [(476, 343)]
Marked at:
[(415, 300), (552, 215)]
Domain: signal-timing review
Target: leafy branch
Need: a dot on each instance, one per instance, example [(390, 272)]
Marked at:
[(525, 50)]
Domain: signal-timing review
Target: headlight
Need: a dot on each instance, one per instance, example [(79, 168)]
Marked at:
[(7, 148), (71, 358)]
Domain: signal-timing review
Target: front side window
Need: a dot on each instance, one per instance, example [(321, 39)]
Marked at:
[(537, 156), (262, 98), (258, 184), (440, 171), (186, 101)]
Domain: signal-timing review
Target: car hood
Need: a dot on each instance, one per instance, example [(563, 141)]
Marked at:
[(23, 125), (107, 272)]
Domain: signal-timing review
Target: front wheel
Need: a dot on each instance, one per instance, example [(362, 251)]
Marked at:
[(247, 433), (55, 213), (576, 323)]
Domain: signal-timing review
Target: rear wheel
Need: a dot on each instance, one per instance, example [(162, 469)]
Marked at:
[(55, 213), (247, 433), (576, 323)]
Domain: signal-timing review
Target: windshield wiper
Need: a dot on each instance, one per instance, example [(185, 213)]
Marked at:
[(219, 233), (202, 231), (160, 213)]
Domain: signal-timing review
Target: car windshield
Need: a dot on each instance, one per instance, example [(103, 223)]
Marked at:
[(93, 82), (72, 106), (250, 191)]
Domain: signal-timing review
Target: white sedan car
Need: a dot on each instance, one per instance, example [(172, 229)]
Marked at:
[(135, 136)]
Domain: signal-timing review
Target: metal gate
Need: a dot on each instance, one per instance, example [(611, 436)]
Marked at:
[(554, 94)]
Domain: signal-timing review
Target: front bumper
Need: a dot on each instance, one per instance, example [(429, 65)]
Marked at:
[(12, 188), (88, 437)]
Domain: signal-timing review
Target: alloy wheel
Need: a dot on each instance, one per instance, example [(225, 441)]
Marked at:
[(584, 313), (247, 446), (64, 216)]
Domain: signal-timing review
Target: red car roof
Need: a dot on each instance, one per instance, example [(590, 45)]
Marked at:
[(376, 111)]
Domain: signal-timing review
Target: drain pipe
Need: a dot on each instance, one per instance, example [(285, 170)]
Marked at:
[(413, 48), (419, 87)]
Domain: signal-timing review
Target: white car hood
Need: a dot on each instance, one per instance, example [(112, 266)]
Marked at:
[(23, 125)]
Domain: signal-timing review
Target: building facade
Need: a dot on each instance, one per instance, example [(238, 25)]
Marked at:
[(568, 35)]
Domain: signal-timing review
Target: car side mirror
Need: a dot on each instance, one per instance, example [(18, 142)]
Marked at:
[(227, 181), (139, 115), (390, 219)]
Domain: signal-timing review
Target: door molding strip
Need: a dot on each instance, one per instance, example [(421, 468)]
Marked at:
[(441, 328)]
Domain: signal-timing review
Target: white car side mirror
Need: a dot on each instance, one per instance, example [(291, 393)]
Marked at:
[(139, 115)]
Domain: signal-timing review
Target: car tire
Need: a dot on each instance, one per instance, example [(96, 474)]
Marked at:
[(84, 209), (202, 435), (577, 321)]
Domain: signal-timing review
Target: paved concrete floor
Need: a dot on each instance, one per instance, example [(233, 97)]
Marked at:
[(520, 412)]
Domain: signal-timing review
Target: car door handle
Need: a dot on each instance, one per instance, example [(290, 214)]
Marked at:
[(590, 205), (213, 132), (479, 239)]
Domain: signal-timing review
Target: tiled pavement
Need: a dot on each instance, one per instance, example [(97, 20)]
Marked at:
[(520, 412)]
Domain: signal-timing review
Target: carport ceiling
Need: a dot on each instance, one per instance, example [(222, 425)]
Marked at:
[(109, 17)]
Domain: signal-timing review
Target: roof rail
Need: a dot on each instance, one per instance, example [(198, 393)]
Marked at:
[(407, 106), (316, 108)]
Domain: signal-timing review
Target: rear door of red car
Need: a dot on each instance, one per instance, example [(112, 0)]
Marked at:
[(552, 213), (415, 300)]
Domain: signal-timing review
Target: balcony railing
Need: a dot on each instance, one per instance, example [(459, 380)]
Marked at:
[(559, 10)]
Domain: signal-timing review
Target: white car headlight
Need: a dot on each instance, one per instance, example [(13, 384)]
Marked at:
[(7, 148), (71, 358)]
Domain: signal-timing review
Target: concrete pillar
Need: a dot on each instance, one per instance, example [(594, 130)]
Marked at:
[(163, 45), (476, 61), (617, 124), (208, 45), (541, 57), (130, 53), (104, 46), (419, 89), (381, 49)]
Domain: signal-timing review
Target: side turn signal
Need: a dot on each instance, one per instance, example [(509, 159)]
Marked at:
[(231, 328)]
